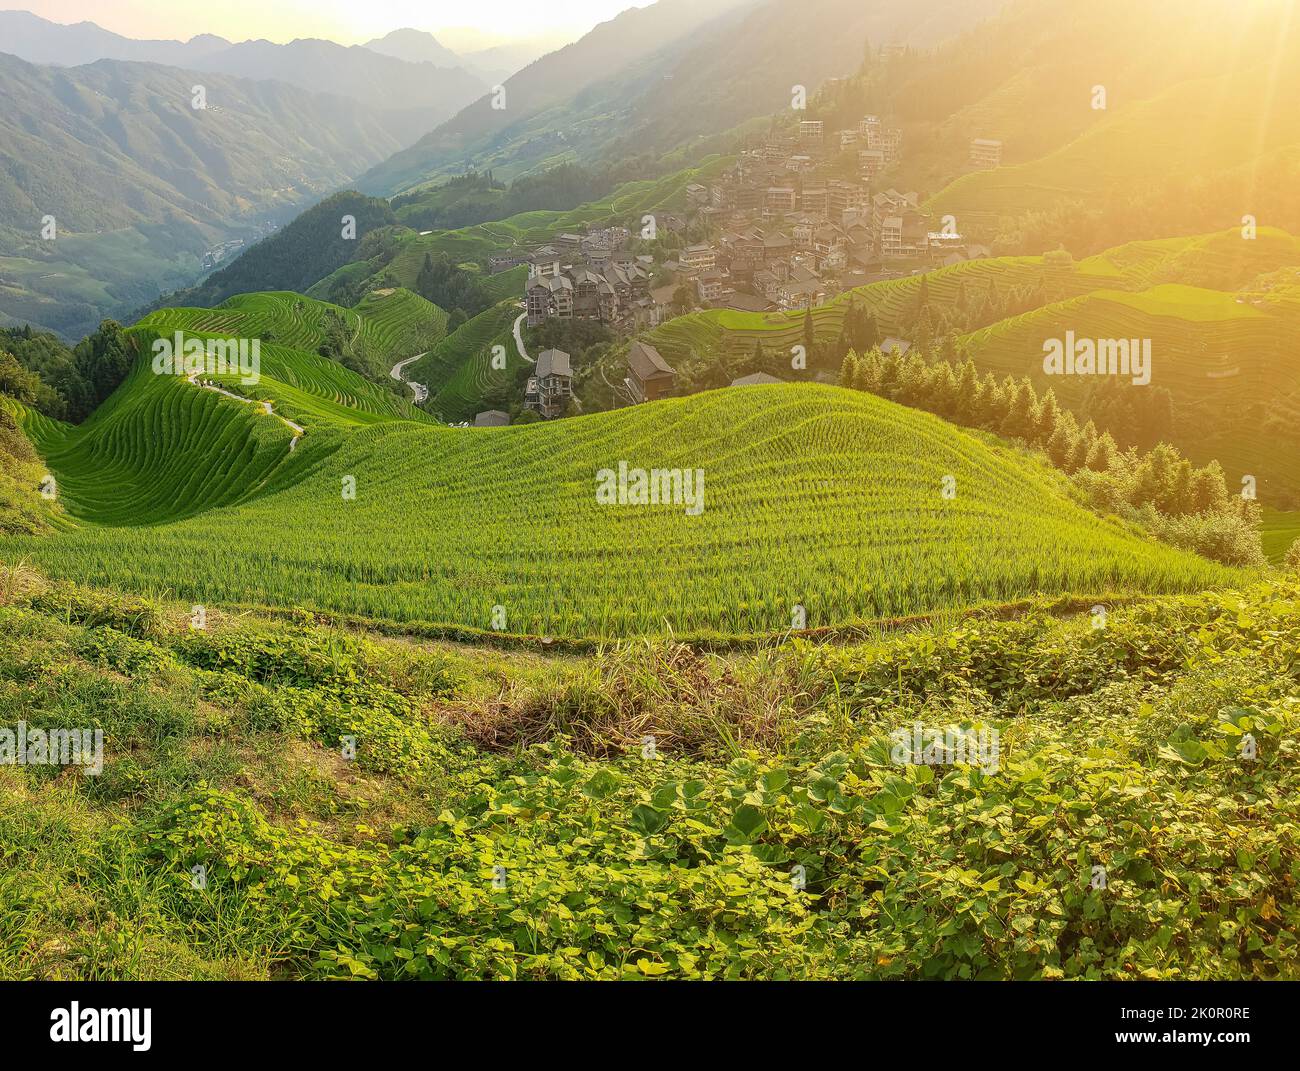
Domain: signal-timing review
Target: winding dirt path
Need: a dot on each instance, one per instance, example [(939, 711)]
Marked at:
[(267, 407)]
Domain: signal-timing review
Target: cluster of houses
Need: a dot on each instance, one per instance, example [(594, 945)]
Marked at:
[(547, 393), (792, 222), (793, 231), (589, 276)]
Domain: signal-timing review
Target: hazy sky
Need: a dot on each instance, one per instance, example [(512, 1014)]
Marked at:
[(347, 21)]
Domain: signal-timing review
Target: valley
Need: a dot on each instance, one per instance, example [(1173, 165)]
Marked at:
[(743, 491)]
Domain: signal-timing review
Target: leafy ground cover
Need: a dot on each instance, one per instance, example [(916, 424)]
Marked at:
[(653, 811)]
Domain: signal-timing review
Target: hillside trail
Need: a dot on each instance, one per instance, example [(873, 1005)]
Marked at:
[(298, 430), (421, 391)]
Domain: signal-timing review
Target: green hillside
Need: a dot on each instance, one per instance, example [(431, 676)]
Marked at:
[(815, 496), (530, 229), (1228, 362), (1217, 261), (458, 369), (162, 448), (386, 325), (625, 205), (1223, 314), (1219, 123), (143, 186)]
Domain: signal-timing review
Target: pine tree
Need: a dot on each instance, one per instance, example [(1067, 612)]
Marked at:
[(968, 386), (1019, 421), (849, 370), (1046, 417)]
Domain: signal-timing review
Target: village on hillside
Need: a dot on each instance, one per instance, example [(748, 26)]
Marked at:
[(795, 220)]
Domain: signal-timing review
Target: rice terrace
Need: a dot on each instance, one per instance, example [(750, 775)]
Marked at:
[(728, 491)]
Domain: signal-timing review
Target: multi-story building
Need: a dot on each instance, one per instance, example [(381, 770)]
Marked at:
[(649, 375), (708, 285), (843, 195), (891, 141), (871, 162), (813, 201), (697, 258), (781, 199), (767, 284), (985, 153), (904, 236), (890, 203), (802, 232), (548, 295), (550, 388), (581, 291), (810, 130)]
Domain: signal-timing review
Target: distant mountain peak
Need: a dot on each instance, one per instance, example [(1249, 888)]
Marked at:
[(414, 46)]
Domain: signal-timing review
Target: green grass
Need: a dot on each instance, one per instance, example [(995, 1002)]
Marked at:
[(160, 448), (386, 325), (815, 496), (773, 832), (1223, 315), (1279, 530), (458, 370), (1228, 364)]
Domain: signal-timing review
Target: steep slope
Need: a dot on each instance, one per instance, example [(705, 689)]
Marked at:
[(458, 371), (812, 496), (607, 49), (163, 447), (386, 326), (297, 255), (1223, 315), (650, 79), (142, 185), (429, 88)]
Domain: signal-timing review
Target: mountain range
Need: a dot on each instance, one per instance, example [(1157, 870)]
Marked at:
[(429, 89), (657, 76), (141, 185)]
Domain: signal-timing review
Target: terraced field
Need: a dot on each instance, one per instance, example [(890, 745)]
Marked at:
[(814, 496), (1229, 364), (388, 324), (458, 370), (1223, 314), (400, 323), (1221, 260), (1203, 126), (162, 448)]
